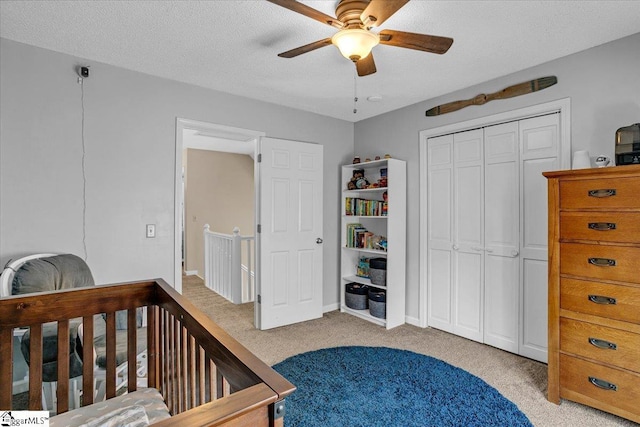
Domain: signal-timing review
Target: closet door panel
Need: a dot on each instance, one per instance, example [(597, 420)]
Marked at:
[(533, 342), (468, 295), (501, 302), (539, 152), (468, 190), (468, 258), (501, 236), (440, 206), (440, 229), (440, 291)]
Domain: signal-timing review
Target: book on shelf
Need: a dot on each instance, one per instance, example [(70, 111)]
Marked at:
[(362, 207), (359, 237)]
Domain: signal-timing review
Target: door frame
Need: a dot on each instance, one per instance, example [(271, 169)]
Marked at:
[(222, 131), (562, 106)]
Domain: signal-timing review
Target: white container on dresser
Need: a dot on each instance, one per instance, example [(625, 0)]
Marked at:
[(594, 288), (390, 224)]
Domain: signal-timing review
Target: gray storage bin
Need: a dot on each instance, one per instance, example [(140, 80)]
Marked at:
[(355, 296), (378, 271), (378, 303)]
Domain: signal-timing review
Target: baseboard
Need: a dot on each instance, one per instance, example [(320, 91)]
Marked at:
[(191, 272), (330, 307), (412, 321)]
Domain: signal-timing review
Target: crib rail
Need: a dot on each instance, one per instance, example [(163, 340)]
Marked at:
[(205, 376)]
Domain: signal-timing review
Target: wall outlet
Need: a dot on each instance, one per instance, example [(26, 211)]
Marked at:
[(151, 231)]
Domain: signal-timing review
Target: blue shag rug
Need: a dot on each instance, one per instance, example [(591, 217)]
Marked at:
[(379, 386)]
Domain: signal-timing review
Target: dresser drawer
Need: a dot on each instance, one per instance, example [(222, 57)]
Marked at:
[(601, 226), (601, 343), (577, 375), (600, 262), (601, 299), (600, 193)]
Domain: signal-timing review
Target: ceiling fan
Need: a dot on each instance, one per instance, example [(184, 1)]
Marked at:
[(354, 19)]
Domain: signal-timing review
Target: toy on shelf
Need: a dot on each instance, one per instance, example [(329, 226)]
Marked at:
[(358, 181)]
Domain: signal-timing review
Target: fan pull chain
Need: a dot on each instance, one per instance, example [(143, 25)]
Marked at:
[(355, 93)]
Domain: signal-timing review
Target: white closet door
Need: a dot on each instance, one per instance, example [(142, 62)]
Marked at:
[(539, 152), (440, 232), (501, 236), (468, 242)]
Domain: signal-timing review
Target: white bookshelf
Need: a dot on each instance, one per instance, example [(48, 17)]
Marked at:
[(392, 226)]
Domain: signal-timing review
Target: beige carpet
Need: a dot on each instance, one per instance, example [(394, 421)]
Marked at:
[(521, 380)]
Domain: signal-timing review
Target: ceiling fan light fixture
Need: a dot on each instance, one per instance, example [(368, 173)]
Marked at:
[(355, 43)]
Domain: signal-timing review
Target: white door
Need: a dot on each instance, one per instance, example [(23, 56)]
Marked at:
[(501, 236), (440, 232), (468, 242), (539, 152), (289, 260)]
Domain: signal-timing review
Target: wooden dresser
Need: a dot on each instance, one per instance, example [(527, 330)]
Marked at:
[(594, 288)]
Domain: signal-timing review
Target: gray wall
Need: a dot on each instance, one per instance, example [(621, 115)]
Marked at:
[(603, 84), (130, 127)]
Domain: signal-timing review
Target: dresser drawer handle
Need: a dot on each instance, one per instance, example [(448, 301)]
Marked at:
[(606, 385), (605, 192), (602, 262), (602, 300), (602, 226), (605, 345)]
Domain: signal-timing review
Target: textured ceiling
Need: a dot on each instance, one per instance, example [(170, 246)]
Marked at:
[(232, 46)]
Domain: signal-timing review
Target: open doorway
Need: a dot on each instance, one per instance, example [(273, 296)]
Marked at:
[(214, 185)]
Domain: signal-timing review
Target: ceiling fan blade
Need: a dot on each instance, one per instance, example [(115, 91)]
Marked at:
[(309, 12), (379, 11), (304, 49), (366, 65), (423, 42)]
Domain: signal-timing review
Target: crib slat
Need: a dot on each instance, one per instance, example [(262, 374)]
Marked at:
[(172, 366), (87, 356), (35, 368), (219, 382), (171, 369), (165, 356), (152, 347), (183, 369), (192, 372), (111, 355), (201, 375), (132, 350), (166, 363), (210, 381), (6, 366), (177, 330), (63, 366)]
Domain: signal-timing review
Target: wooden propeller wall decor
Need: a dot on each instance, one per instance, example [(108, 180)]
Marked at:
[(355, 18), (510, 92)]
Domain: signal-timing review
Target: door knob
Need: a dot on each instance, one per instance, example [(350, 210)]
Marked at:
[(318, 240), (454, 247)]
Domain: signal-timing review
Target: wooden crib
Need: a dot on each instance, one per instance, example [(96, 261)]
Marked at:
[(205, 376)]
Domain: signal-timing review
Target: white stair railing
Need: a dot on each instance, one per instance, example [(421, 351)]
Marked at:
[(224, 272)]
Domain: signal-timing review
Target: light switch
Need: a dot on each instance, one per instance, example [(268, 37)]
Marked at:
[(151, 231)]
